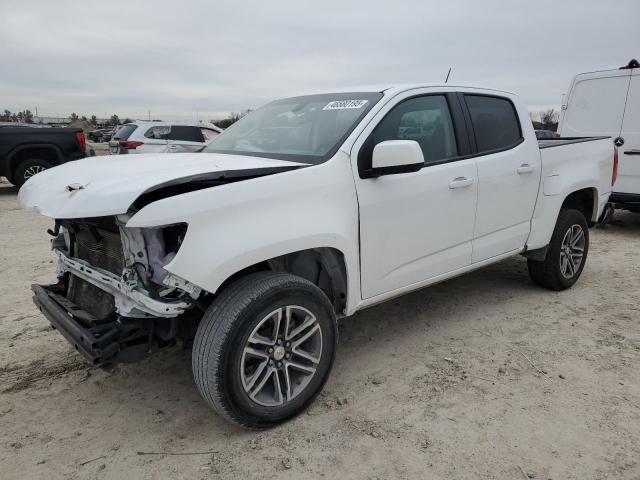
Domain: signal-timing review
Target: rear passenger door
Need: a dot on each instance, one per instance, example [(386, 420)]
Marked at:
[(185, 138), (508, 175)]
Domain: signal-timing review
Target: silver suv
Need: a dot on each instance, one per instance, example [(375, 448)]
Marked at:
[(162, 137)]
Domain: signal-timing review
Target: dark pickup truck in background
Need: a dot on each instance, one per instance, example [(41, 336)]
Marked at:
[(25, 151)]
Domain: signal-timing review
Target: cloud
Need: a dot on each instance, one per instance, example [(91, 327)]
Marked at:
[(179, 58)]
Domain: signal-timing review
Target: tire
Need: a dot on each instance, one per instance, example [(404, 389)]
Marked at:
[(555, 273), (27, 169), (231, 360)]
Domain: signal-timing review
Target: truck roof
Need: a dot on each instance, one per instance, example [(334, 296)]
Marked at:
[(633, 63), (402, 87)]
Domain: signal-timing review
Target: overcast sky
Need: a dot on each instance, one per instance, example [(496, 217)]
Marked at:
[(187, 58)]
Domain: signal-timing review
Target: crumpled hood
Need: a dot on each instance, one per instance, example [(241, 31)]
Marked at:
[(108, 185)]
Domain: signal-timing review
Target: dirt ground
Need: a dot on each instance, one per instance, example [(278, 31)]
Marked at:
[(484, 376)]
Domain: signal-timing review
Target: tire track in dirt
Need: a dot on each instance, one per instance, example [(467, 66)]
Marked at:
[(19, 377)]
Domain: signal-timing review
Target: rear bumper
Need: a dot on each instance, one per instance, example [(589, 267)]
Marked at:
[(607, 213), (625, 199), (96, 342)]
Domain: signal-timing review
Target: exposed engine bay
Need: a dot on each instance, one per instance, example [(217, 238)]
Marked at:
[(114, 300), (113, 285)]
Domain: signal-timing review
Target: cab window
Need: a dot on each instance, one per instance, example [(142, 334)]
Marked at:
[(426, 120), (495, 122)]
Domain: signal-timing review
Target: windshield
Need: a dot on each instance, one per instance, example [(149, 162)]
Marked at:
[(307, 129)]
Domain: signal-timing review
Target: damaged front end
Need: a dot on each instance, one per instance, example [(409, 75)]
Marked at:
[(114, 301)]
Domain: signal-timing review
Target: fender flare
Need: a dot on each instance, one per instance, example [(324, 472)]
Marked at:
[(9, 162)]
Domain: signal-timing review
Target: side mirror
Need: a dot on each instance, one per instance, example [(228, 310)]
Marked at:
[(396, 156)]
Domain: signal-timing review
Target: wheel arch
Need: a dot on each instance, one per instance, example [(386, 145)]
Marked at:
[(45, 151), (584, 200), (323, 266)]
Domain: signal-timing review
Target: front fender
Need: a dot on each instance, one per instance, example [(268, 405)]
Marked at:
[(234, 226)]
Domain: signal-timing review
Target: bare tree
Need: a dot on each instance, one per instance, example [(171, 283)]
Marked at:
[(231, 119), (549, 119)]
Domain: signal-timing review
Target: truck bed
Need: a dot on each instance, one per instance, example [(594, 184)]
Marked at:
[(556, 142), (25, 144), (583, 161)]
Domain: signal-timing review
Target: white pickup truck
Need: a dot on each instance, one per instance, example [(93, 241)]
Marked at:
[(308, 209)]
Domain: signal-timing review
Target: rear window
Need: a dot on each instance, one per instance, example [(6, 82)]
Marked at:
[(495, 122), (125, 131), (186, 134)]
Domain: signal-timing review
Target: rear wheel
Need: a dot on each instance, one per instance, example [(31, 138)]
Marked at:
[(264, 349), (28, 169), (566, 254)]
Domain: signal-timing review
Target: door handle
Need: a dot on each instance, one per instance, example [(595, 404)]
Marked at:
[(525, 168), (632, 152), (460, 182), (173, 147)]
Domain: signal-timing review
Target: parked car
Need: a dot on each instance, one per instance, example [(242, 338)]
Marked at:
[(308, 209), (545, 134), (26, 151), (607, 102), (89, 151), (100, 135), (162, 137)]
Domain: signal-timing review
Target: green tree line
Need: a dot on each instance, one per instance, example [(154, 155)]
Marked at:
[(26, 116)]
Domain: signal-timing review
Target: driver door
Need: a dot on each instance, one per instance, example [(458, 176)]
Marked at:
[(417, 226)]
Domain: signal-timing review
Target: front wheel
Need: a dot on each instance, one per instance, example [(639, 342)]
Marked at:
[(566, 253), (264, 349)]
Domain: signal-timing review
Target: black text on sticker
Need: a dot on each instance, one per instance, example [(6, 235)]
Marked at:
[(345, 104)]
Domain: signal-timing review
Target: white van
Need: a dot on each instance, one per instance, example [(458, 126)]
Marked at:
[(607, 102)]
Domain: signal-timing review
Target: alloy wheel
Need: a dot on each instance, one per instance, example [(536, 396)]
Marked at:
[(281, 356), (572, 251), (31, 171)]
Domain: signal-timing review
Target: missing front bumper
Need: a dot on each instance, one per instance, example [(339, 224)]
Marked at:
[(129, 301), (98, 342), (103, 342)]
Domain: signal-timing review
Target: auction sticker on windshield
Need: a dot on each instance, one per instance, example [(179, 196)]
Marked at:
[(345, 104)]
